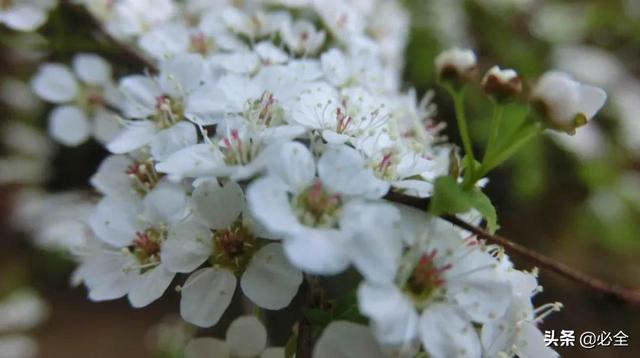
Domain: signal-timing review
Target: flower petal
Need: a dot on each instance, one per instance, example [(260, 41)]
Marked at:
[(134, 135), (246, 337), (206, 295), (69, 126), (343, 339), (393, 318), (149, 286), (270, 280), (92, 69), (445, 332), (172, 139), (55, 83), (219, 206), (188, 246)]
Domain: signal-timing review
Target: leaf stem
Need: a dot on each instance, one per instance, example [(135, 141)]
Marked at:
[(493, 132), (458, 102)]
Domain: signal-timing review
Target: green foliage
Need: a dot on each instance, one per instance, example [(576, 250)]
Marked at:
[(451, 198)]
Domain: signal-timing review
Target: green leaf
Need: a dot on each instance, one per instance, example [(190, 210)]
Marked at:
[(346, 308), (448, 197), (317, 317), (483, 204), (451, 198)]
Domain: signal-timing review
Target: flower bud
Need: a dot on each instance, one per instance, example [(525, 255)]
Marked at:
[(564, 103), (456, 66), (503, 85)]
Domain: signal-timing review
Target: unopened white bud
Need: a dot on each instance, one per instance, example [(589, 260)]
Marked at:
[(456, 66), (501, 84), (564, 103)]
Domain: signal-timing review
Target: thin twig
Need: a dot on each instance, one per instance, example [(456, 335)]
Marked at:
[(630, 296), (134, 55)]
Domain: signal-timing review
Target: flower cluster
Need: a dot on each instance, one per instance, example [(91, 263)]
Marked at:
[(262, 150)]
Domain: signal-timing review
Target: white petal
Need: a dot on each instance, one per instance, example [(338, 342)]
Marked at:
[(134, 135), (317, 251), (207, 347), (531, 343), (55, 83), (149, 286), (206, 295), (69, 126), (270, 280), (394, 320), (182, 74), (172, 139), (591, 100), (483, 294), (246, 337), (343, 339), (218, 205), (374, 247), (269, 204), (334, 65), (342, 170), (111, 178), (105, 126), (92, 69), (273, 352), (24, 17), (445, 333), (200, 160), (294, 164), (141, 94), (104, 275), (166, 203), (115, 222), (188, 246), (164, 41)]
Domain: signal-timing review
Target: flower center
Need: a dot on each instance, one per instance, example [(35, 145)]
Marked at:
[(200, 44), (385, 168), (342, 120), (169, 111), (425, 279), (265, 110), (146, 248), (234, 247), (143, 177), (318, 208), (239, 151)]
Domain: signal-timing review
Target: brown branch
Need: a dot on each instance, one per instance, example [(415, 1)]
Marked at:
[(304, 343), (630, 296), (131, 53)]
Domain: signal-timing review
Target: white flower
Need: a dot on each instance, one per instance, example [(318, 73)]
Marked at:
[(456, 65), (565, 103), (340, 117), (308, 210), (345, 21), (432, 292), (226, 236), (87, 92), (246, 338), (160, 104), (515, 332), (25, 15), (133, 17), (238, 152), (133, 232), (302, 37)]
